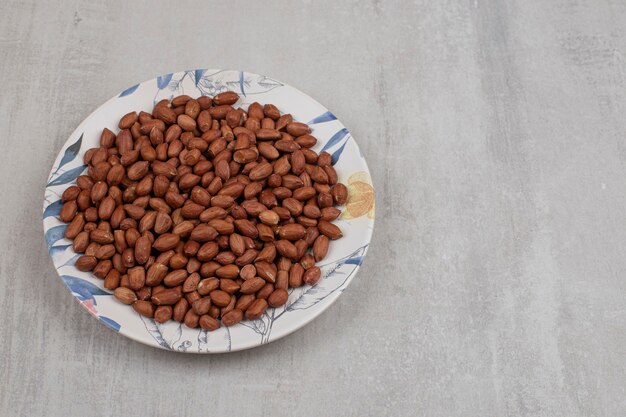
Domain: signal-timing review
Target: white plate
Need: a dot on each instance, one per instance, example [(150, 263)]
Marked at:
[(338, 269)]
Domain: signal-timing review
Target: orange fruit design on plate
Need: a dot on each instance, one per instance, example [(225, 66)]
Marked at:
[(360, 196)]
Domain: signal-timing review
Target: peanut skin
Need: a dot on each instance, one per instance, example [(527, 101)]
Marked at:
[(204, 213)]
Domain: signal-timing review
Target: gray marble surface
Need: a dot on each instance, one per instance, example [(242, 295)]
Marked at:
[(495, 133)]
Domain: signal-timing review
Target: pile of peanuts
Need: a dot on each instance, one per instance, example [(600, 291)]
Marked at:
[(202, 212)]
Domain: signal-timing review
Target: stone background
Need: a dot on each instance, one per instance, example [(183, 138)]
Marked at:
[(494, 131)]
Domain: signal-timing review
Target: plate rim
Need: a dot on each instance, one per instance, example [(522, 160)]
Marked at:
[(247, 345)]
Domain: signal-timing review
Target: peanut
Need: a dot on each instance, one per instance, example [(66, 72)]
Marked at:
[(202, 211)]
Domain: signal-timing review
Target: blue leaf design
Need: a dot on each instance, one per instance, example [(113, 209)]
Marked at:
[(335, 156), (71, 261), (198, 75), (53, 251), (54, 234), (53, 209), (84, 289), (357, 260), (241, 83), (111, 323), (129, 91), (71, 152), (68, 176), (163, 81), (357, 254), (322, 118), (337, 137)]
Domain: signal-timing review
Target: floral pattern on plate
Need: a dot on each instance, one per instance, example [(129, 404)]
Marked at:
[(338, 269)]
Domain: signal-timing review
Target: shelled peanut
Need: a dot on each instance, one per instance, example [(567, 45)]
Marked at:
[(202, 212)]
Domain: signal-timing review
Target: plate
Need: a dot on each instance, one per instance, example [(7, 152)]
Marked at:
[(338, 268)]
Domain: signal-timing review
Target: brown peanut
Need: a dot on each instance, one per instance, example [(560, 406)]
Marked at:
[(200, 210)]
